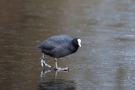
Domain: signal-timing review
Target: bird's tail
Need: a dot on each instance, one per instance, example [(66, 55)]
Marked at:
[(39, 48), (47, 52)]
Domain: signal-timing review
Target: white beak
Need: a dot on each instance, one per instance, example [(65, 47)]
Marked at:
[(79, 42)]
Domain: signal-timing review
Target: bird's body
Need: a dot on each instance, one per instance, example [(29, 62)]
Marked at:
[(59, 46)]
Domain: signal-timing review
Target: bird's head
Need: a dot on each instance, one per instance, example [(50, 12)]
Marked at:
[(76, 42)]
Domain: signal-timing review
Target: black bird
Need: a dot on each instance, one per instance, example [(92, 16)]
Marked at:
[(58, 46)]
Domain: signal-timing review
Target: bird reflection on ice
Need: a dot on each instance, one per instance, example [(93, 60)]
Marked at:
[(44, 72), (54, 83)]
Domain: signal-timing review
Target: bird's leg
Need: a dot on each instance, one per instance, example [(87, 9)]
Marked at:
[(58, 68), (43, 63)]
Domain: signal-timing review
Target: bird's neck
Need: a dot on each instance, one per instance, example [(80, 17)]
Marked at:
[(74, 48)]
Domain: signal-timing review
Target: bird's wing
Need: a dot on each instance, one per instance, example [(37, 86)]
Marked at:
[(54, 41), (60, 52)]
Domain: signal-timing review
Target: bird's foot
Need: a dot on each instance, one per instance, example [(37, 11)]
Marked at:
[(43, 63), (61, 69)]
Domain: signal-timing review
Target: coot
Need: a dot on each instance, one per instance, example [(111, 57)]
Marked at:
[(58, 46)]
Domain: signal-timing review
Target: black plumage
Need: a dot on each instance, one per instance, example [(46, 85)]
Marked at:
[(59, 46)]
